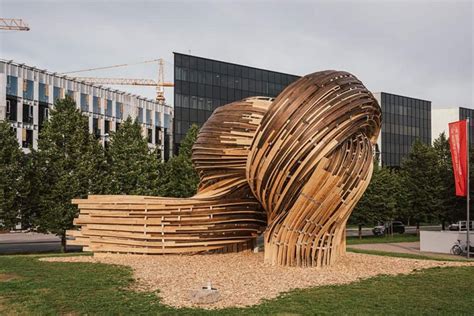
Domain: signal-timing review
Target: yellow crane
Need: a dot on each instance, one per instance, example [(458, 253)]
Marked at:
[(13, 25), (159, 84)]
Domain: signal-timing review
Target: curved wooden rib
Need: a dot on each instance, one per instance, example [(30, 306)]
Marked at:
[(222, 216), (309, 164)]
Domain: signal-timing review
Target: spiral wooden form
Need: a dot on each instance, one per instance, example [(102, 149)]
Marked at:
[(310, 162), (296, 165)]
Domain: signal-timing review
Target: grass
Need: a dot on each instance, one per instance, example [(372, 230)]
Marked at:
[(49, 288), (382, 239)]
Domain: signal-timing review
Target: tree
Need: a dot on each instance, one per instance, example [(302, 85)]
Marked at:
[(11, 177), (179, 178), (186, 146), (71, 164), (379, 202), (29, 191), (421, 181), (132, 167), (451, 208)]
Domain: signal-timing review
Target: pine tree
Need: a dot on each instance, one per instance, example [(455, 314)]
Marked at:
[(421, 181), (132, 167), (179, 178), (11, 177), (70, 164)]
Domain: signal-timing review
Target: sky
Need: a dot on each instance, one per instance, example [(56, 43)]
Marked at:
[(421, 49)]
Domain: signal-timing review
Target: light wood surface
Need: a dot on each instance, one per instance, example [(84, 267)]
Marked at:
[(309, 164), (295, 167), (223, 216)]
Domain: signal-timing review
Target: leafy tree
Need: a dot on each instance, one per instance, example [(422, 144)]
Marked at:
[(11, 177), (71, 165), (379, 202), (179, 178), (451, 208), (421, 181), (133, 168)]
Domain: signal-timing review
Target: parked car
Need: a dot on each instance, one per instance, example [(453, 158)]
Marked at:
[(383, 229), (460, 226)]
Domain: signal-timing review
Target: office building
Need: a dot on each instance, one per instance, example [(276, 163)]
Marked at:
[(442, 117), (404, 119), (27, 94), (203, 84)]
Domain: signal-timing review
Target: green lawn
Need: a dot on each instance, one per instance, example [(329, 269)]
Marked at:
[(29, 286), (382, 239)]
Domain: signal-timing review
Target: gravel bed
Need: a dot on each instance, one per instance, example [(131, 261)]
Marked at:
[(242, 278)]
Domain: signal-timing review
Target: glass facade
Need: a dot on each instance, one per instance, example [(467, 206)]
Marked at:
[(465, 113), (404, 120), (201, 85)]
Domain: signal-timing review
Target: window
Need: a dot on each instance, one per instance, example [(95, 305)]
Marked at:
[(28, 89), (149, 135), (95, 127), (108, 111), (140, 115), (119, 110), (12, 85), (96, 105), (27, 138), (84, 102), (148, 117), (43, 92)]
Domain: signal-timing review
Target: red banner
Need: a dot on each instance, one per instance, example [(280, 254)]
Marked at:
[(458, 144)]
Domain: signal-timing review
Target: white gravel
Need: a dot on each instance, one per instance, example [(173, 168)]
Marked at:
[(242, 278)]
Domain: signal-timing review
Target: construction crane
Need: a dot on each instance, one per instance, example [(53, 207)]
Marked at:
[(160, 84), (13, 25)]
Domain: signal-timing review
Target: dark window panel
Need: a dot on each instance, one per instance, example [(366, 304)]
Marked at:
[(208, 91), (193, 63), (245, 72), (201, 64), (209, 65)]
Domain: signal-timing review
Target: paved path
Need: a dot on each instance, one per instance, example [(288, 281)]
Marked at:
[(13, 243), (403, 247)]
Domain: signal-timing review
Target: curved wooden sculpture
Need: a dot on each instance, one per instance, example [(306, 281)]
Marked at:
[(310, 162), (297, 166), (222, 216)]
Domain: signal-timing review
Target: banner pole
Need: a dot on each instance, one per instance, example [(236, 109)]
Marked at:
[(467, 195)]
